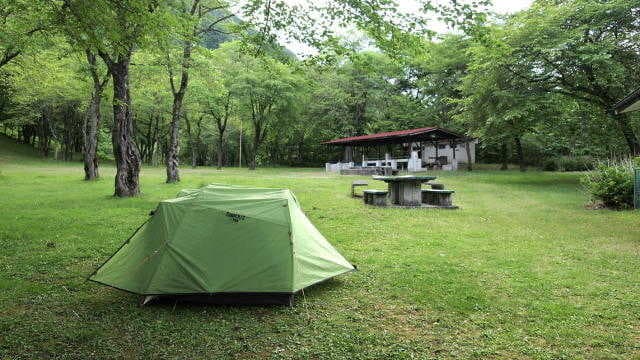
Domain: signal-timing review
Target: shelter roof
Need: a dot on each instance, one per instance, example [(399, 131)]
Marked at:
[(431, 133), (630, 103)]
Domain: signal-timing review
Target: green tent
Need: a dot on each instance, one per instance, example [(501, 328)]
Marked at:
[(229, 243)]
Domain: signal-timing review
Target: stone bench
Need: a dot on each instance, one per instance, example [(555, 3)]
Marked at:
[(438, 198), (375, 197), (356, 184), (437, 186)]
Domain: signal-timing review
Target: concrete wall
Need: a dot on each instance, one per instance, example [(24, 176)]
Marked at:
[(444, 149)]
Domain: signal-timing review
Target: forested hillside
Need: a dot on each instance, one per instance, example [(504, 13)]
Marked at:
[(96, 82)]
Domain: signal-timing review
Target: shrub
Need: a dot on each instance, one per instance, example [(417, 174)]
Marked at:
[(611, 184), (550, 164), (576, 163), (568, 163)]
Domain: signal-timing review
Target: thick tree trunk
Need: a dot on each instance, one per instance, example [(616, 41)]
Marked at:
[(627, 131), (520, 154), (505, 157), (125, 150)]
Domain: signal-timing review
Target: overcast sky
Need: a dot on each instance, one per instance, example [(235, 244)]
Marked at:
[(499, 6)]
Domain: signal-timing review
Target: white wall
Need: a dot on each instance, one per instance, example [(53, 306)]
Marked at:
[(429, 152), (331, 167)]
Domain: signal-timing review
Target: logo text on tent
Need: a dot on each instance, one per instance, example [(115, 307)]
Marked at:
[(235, 217)]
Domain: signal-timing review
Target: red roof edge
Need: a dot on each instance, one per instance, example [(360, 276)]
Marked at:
[(388, 134)]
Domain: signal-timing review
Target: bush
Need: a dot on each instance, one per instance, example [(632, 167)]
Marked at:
[(568, 163), (550, 164), (577, 163), (611, 184)]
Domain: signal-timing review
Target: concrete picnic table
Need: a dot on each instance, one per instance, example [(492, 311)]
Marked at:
[(405, 190)]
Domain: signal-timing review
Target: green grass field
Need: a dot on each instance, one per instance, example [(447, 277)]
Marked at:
[(521, 271)]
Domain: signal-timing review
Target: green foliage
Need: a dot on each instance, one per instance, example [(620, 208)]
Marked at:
[(611, 183), (24, 24), (521, 79)]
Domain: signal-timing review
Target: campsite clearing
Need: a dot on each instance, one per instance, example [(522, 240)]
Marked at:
[(535, 277)]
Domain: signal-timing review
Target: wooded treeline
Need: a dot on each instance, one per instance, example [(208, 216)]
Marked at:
[(186, 83)]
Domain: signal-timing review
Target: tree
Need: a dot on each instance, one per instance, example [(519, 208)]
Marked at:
[(152, 109), (586, 49), (266, 88), (114, 30), (203, 16), (221, 114), (498, 107), (48, 112)]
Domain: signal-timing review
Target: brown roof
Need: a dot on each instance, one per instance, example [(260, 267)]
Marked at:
[(431, 133)]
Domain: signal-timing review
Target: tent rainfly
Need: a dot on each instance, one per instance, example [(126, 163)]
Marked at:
[(224, 244)]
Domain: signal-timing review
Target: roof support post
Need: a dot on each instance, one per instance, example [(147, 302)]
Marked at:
[(452, 143)]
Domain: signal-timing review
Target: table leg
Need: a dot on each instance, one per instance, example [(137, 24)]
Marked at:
[(392, 188), (410, 193)]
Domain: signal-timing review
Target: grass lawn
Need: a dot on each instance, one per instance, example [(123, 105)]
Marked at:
[(521, 271)]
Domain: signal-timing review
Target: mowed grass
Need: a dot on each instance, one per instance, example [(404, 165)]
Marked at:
[(521, 271)]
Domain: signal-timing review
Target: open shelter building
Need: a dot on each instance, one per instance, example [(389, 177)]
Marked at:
[(411, 150)]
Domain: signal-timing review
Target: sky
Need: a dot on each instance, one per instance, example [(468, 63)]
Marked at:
[(499, 6)]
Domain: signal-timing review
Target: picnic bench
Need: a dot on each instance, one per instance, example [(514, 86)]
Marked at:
[(357, 183), (375, 197), (438, 198)]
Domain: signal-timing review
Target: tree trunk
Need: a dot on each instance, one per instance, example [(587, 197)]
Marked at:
[(125, 150), (44, 132), (91, 123), (90, 137), (172, 161), (505, 157), (253, 153), (520, 154), (252, 161), (220, 150), (154, 141), (627, 131), (192, 142), (173, 174), (467, 149)]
